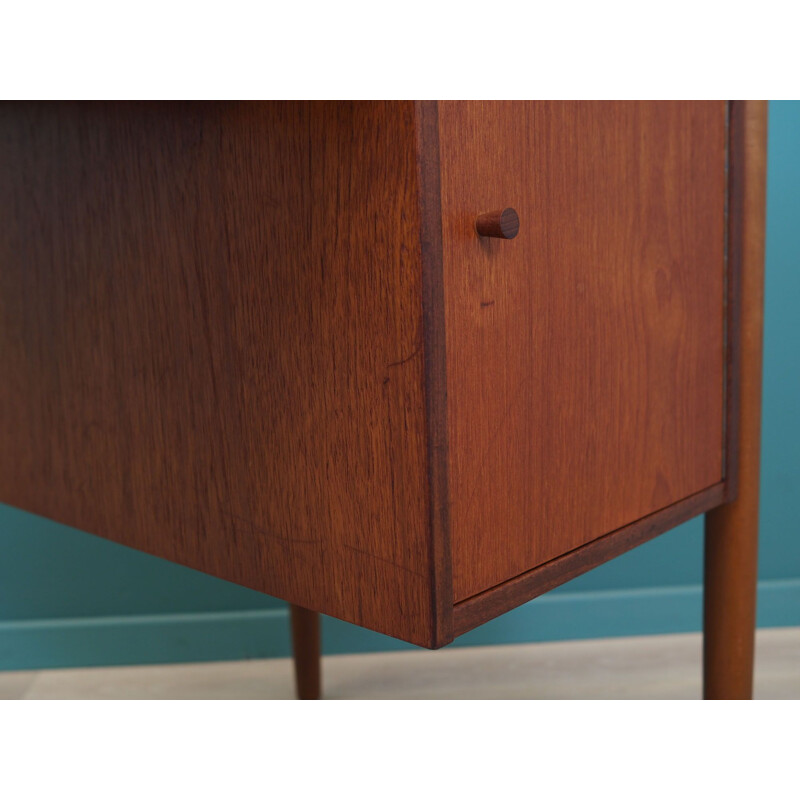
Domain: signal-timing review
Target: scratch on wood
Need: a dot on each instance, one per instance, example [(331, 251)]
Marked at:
[(239, 520), (416, 351), (384, 560), (406, 359)]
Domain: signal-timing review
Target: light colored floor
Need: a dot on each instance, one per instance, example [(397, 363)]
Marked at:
[(633, 668)]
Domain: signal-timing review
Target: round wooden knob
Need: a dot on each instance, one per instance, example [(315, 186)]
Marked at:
[(503, 224)]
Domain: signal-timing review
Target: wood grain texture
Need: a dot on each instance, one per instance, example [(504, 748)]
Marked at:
[(266, 340), (306, 652), (584, 358), (211, 342), (496, 601), (731, 536)]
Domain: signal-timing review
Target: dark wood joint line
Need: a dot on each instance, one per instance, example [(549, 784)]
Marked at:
[(427, 127)]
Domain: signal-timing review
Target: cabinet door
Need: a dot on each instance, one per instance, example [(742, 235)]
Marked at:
[(585, 357)]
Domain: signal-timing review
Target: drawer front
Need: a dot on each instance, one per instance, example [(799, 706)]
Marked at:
[(585, 356)]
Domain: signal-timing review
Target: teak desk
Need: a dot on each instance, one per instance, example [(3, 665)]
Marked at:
[(407, 364)]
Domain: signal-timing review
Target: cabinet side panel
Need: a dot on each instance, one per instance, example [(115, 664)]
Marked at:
[(585, 356), (211, 342)]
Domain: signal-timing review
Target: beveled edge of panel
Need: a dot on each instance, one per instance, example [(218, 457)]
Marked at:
[(480, 608), (429, 181)]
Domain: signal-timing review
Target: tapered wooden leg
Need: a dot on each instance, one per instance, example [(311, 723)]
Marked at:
[(731, 531), (730, 600), (307, 657)]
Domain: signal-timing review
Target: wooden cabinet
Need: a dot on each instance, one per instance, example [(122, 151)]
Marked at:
[(267, 341)]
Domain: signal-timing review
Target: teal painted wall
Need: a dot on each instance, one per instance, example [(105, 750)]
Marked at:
[(70, 599)]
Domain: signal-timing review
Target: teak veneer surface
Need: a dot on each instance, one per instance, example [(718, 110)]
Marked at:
[(584, 357), (265, 340), (211, 342)]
